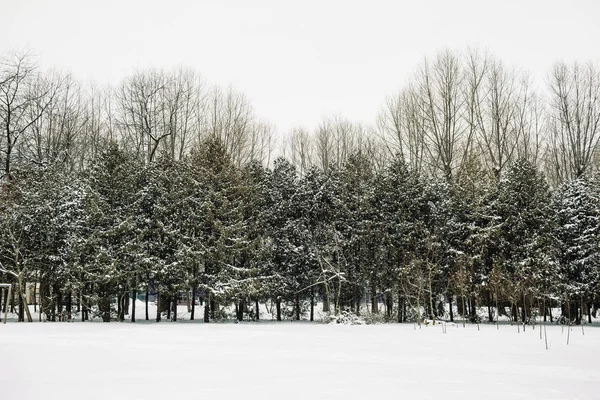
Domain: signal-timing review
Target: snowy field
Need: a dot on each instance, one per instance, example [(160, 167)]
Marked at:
[(270, 360)]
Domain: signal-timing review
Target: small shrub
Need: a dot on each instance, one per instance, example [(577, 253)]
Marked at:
[(375, 318), (345, 318)]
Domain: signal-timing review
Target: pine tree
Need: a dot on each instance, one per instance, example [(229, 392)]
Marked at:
[(577, 233), (471, 237), (402, 212), (220, 225), (523, 208), (284, 232), (111, 229), (318, 199), (360, 249)]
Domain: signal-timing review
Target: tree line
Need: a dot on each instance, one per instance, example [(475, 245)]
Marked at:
[(471, 189)]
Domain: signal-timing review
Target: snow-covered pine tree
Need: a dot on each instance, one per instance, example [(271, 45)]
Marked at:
[(522, 205), (286, 232), (359, 252), (221, 222), (577, 234), (401, 211), (107, 253), (470, 236), (318, 197)]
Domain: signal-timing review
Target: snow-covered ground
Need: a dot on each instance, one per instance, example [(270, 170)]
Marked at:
[(289, 360)]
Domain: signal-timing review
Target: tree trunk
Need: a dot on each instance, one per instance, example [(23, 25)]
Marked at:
[(312, 304), (78, 301), (134, 297), (431, 309), (34, 296), (175, 307), (12, 298), (167, 300), (399, 307), (463, 307), (240, 310), (193, 312), (59, 305), (104, 307), (51, 302), (123, 306), (3, 301), (278, 303), (119, 307), (24, 306), (497, 311), (85, 308), (213, 308), (326, 299), (69, 305), (157, 306), (297, 307), (468, 307), (206, 311), (450, 308), (21, 317), (489, 305), (147, 295), (338, 297), (44, 300), (374, 304), (257, 312)]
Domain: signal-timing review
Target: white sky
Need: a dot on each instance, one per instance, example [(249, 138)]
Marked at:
[(296, 61)]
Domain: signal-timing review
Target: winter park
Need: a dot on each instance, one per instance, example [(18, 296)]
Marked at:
[(324, 200)]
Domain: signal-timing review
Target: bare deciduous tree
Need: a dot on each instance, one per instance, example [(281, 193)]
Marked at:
[(140, 111), (401, 127), (56, 135), (24, 97), (574, 119), (261, 142), (532, 128), (183, 99), (337, 138), (229, 119), (301, 149), (440, 87), (499, 102), (97, 129)]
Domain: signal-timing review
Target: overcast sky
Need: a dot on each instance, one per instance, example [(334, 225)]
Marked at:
[(296, 61)]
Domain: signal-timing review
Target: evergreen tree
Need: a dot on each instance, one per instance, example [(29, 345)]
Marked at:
[(110, 227), (523, 208), (220, 226), (577, 233), (402, 209), (471, 237)]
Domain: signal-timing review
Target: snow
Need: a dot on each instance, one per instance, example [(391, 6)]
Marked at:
[(294, 360)]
